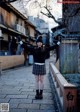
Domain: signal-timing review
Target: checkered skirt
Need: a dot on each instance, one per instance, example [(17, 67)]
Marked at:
[(39, 69)]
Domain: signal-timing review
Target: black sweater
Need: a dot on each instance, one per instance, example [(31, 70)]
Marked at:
[(39, 54)]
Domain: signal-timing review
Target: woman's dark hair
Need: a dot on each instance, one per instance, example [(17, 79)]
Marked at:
[(39, 39)]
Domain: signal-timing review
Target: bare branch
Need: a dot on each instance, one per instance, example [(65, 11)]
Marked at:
[(45, 14), (50, 15)]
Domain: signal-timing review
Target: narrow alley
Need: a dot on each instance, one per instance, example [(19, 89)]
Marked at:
[(17, 87)]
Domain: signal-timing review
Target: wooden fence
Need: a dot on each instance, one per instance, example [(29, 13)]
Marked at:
[(66, 92)]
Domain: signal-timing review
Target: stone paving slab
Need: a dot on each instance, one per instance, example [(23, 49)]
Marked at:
[(45, 101), (27, 92), (20, 100), (2, 96), (9, 92), (29, 106), (45, 97), (4, 100), (47, 106), (18, 110), (41, 110), (26, 89), (16, 96), (13, 105)]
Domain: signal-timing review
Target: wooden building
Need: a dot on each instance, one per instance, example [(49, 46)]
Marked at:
[(69, 35), (14, 27), (70, 47)]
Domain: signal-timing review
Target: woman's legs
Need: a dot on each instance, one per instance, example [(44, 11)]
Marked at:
[(37, 86), (41, 79), (37, 82)]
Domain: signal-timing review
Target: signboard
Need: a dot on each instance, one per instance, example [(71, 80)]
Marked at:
[(68, 1)]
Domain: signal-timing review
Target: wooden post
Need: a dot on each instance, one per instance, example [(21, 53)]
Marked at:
[(70, 99)]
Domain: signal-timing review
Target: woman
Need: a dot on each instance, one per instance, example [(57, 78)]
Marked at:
[(39, 54)]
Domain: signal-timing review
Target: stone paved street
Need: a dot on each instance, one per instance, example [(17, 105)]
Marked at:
[(17, 87)]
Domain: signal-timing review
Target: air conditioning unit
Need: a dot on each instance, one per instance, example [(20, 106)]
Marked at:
[(20, 29), (17, 27), (24, 31), (0, 33)]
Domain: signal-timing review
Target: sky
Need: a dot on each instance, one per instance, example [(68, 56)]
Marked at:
[(56, 11)]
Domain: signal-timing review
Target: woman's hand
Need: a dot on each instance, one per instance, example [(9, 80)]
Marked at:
[(58, 43)]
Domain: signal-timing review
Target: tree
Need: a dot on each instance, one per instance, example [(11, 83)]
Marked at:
[(67, 13)]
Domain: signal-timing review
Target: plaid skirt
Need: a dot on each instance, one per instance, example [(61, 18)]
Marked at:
[(39, 69)]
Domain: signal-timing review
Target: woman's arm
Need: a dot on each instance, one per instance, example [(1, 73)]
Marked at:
[(28, 47), (53, 47)]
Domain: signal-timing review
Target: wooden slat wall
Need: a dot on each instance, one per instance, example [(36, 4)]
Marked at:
[(11, 61), (32, 31), (10, 18)]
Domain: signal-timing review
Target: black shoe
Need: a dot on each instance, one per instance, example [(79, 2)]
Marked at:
[(41, 94), (37, 94)]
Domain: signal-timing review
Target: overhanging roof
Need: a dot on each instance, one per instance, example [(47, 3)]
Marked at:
[(16, 11), (58, 32), (57, 28), (31, 24)]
